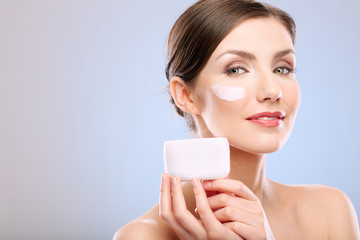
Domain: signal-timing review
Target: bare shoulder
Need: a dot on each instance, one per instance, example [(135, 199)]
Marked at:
[(327, 208), (333, 200), (314, 195), (148, 226), (137, 229), (340, 212), (318, 194)]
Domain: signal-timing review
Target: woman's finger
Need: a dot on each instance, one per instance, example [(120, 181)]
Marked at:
[(241, 208), (182, 214), (212, 226), (246, 231), (223, 199), (231, 186), (165, 203), (166, 208), (232, 214)]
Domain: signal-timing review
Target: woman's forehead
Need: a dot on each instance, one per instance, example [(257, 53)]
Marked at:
[(257, 36)]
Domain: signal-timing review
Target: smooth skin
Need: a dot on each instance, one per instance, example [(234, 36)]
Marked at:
[(259, 56)]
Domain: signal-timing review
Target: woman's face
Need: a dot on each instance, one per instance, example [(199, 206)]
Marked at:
[(248, 91)]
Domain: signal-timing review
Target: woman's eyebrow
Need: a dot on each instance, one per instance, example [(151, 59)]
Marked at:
[(240, 53), (284, 53), (251, 56)]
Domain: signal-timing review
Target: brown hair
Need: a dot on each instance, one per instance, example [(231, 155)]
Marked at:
[(199, 30)]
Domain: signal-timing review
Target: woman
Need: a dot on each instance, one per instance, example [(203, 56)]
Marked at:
[(231, 74)]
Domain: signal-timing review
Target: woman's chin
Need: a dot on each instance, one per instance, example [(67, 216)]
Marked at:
[(258, 148)]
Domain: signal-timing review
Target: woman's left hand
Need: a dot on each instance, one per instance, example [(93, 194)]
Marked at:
[(237, 207)]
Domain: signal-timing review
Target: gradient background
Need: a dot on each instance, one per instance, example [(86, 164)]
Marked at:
[(83, 113)]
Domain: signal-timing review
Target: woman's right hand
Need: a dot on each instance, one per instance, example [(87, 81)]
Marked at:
[(173, 210)]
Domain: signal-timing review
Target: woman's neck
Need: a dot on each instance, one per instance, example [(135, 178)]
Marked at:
[(248, 168), (244, 166)]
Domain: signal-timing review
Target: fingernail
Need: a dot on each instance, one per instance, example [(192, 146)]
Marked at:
[(163, 178), (194, 182), (173, 181), (207, 184)]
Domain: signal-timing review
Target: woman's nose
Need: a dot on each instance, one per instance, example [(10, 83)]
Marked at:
[(268, 88)]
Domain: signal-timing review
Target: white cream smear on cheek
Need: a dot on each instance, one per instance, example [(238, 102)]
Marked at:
[(228, 93)]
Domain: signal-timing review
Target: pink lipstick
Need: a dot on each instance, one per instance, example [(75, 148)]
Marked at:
[(267, 119)]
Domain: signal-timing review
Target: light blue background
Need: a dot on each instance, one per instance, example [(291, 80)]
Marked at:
[(83, 113)]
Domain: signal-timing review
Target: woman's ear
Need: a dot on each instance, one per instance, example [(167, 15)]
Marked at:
[(183, 95)]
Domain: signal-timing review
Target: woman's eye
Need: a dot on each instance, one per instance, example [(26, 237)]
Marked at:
[(236, 71), (283, 70)]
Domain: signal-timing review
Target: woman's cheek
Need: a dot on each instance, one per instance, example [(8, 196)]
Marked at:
[(227, 93), (297, 96), (224, 109), (291, 101), (292, 97)]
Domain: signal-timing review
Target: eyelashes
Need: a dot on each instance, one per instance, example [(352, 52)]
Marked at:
[(238, 70), (283, 70)]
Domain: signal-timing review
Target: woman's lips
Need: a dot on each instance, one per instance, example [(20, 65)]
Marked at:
[(267, 119)]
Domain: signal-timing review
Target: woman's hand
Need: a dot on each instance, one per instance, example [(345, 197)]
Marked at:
[(237, 207), (173, 210)]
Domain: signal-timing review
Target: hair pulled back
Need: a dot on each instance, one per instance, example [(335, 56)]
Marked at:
[(200, 29)]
